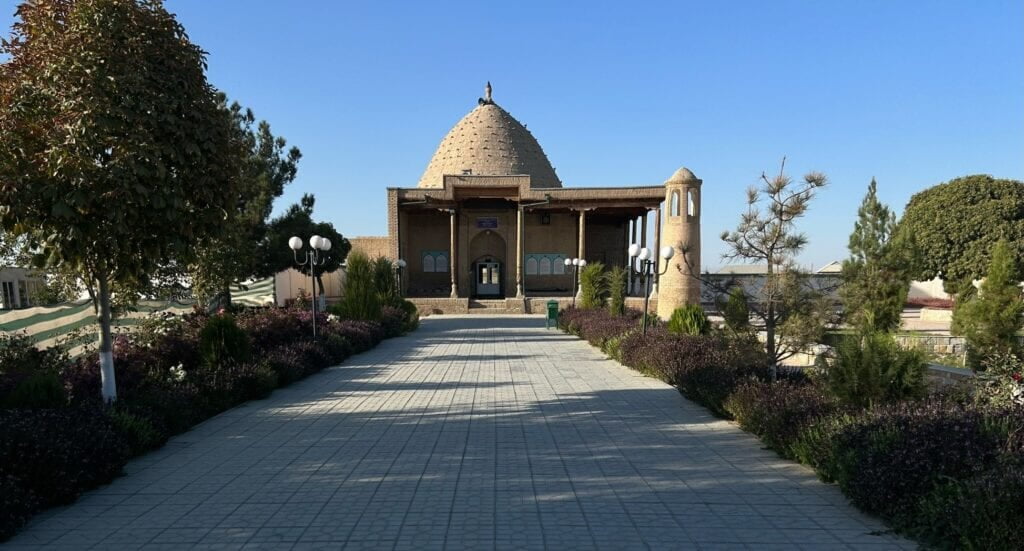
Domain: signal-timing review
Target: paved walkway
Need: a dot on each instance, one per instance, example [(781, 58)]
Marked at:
[(473, 433)]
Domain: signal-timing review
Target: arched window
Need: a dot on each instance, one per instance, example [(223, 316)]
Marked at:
[(531, 265), (691, 203), (428, 263), (545, 266), (675, 204)]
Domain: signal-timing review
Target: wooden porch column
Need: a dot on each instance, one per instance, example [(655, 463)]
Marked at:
[(643, 244), (582, 246), (519, 253), (453, 256), (657, 250), (631, 289), (583, 234)]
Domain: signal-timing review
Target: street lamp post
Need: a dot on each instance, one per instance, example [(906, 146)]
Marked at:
[(643, 264), (399, 266), (316, 256), (577, 264)]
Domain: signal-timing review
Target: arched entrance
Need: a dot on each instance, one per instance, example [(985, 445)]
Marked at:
[(487, 251)]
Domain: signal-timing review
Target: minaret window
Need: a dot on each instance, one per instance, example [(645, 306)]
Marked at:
[(691, 203), (675, 204)]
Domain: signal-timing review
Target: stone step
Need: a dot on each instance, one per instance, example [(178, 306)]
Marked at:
[(487, 303)]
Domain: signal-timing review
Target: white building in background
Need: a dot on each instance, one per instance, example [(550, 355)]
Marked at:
[(291, 283), (17, 286)]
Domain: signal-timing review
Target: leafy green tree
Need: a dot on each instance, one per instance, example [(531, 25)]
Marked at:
[(267, 166), (957, 223), (876, 277), (990, 318), (689, 319), (616, 280), (116, 157), (593, 286), (791, 312), (362, 299), (276, 256)]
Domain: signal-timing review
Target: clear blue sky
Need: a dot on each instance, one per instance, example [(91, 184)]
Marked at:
[(623, 93)]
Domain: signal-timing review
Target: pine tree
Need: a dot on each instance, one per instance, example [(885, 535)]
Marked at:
[(989, 319), (876, 277), (792, 313)]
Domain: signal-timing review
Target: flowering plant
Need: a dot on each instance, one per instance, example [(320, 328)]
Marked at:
[(1002, 381), (177, 373)]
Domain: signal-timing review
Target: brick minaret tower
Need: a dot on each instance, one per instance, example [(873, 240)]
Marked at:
[(681, 230)]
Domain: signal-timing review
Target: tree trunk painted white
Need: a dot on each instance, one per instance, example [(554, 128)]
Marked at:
[(108, 384)]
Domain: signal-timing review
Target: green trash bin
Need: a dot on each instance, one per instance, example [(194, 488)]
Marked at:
[(552, 320)]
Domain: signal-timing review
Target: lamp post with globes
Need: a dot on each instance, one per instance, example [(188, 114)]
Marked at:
[(399, 266), (577, 264), (643, 264), (316, 256)]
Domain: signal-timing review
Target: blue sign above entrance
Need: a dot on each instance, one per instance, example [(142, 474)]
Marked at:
[(487, 223)]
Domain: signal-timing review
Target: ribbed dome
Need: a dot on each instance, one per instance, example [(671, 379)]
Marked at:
[(680, 176), (489, 142)]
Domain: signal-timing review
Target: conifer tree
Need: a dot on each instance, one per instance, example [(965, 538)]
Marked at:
[(876, 276), (792, 313), (990, 318)]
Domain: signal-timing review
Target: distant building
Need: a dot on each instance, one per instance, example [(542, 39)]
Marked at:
[(490, 219), (751, 277), (18, 286)]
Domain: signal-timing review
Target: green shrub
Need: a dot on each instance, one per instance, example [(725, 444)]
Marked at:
[(338, 347), (29, 377), (385, 282), (593, 286), (221, 342), (230, 384), (816, 443), (138, 432), (778, 411), (689, 319), (59, 453), (888, 458), (42, 389), (393, 321), (616, 280), (990, 317), (982, 512), (871, 369), (17, 504), (412, 315), (361, 300), (736, 311)]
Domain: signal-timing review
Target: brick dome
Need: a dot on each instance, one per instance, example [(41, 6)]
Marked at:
[(489, 142)]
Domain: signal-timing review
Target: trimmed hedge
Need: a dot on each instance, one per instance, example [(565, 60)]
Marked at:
[(171, 375), (946, 469), (59, 453), (779, 412)]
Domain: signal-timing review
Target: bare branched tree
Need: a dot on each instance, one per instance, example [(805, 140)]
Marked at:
[(786, 304)]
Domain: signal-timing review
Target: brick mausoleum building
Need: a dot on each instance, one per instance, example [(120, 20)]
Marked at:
[(489, 225)]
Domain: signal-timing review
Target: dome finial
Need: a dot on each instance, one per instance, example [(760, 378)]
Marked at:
[(487, 92)]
